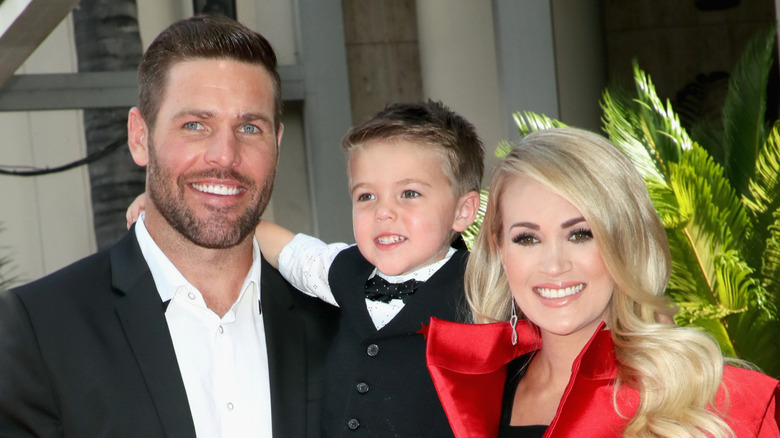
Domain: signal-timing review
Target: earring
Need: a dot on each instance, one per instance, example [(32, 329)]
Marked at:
[(513, 320)]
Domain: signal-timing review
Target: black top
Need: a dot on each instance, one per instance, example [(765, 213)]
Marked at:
[(516, 373)]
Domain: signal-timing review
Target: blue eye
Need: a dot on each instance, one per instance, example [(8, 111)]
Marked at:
[(192, 126), (410, 194), (249, 129), (581, 235), (525, 239)]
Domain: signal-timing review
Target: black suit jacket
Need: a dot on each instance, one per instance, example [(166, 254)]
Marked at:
[(86, 352)]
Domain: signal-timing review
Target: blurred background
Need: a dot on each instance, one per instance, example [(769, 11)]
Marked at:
[(67, 80)]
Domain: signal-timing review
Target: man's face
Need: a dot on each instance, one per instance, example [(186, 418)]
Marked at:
[(213, 151)]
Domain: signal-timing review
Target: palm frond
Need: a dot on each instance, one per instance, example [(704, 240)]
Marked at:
[(744, 110), (754, 336), (688, 281), (528, 122), (713, 191), (705, 221), (764, 186), (503, 148), (770, 266), (623, 127), (665, 203), (737, 289), (764, 197), (660, 124), (470, 234)]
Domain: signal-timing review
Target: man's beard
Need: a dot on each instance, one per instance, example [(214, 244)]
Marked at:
[(215, 231)]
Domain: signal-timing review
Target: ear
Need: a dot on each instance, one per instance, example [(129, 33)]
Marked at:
[(138, 137), (279, 132), (468, 206)]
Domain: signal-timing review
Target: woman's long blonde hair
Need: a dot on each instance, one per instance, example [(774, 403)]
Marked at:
[(677, 370)]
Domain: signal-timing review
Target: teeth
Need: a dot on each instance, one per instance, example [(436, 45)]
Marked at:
[(559, 293), (386, 240), (217, 189)]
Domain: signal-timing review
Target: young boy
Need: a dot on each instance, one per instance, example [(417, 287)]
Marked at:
[(414, 176)]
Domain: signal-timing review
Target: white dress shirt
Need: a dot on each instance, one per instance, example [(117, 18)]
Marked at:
[(305, 261), (223, 361)]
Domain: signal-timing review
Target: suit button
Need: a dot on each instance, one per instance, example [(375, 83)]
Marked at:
[(353, 423), (372, 350), (362, 387)]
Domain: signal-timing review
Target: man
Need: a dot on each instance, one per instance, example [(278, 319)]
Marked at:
[(181, 328)]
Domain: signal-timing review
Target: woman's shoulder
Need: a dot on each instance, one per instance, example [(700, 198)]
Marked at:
[(749, 400), (738, 376)]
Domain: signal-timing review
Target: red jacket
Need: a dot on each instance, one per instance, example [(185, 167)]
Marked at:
[(468, 364)]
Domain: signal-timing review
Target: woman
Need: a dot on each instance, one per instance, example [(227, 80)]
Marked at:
[(571, 241)]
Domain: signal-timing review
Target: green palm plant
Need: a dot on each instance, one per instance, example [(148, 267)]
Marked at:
[(717, 191)]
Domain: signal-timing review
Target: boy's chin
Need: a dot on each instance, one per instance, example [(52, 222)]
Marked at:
[(391, 269), (395, 270)]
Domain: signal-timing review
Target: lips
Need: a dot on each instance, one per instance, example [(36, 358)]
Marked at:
[(217, 189), (389, 239), (552, 293)]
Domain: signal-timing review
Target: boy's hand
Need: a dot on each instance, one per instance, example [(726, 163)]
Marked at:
[(135, 209)]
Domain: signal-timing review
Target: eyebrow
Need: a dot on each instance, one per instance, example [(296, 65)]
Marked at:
[(572, 221), (412, 181), (564, 225), (398, 183), (244, 117), (357, 187), (253, 116)]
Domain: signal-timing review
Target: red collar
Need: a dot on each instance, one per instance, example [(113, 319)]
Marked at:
[(468, 364)]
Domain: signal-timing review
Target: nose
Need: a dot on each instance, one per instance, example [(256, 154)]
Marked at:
[(554, 259), (223, 149), (384, 210)]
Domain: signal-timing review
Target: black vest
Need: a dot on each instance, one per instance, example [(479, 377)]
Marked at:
[(377, 382)]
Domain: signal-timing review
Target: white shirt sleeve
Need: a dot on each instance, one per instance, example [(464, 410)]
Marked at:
[(305, 263)]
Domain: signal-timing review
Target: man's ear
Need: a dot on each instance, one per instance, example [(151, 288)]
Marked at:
[(138, 137), (279, 132), (468, 206)]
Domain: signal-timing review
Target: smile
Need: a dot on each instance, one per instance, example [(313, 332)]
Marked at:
[(217, 189), (387, 240), (550, 293)]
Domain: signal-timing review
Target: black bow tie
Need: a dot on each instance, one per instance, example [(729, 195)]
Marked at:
[(379, 289)]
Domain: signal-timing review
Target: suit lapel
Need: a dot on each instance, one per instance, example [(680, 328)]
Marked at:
[(142, 317), (285, 337)]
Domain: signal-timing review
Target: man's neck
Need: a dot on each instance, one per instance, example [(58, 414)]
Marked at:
[(217, 273)]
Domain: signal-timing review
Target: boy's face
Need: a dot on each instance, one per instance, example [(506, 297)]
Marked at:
[(403, 206)]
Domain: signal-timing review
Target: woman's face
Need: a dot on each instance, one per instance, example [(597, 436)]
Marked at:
[(555, 271)]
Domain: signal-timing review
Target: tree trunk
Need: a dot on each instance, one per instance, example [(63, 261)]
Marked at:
[(107, 39)]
